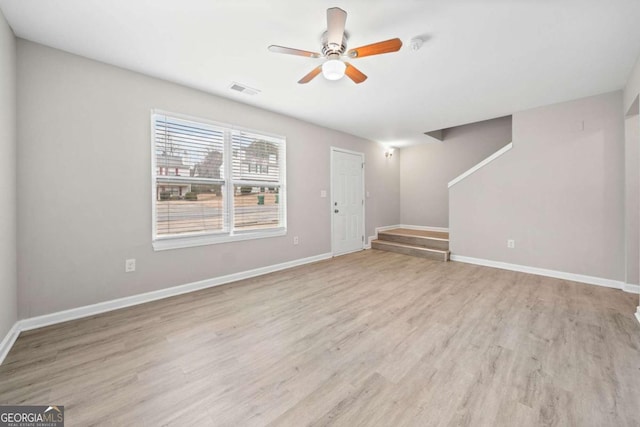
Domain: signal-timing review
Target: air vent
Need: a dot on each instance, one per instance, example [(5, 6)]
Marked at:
[(239, 87)]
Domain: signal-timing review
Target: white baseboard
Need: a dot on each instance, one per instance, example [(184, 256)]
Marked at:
[(9, 340), (591, 280), (631, 288), (116, 304), (409, 227), (638, 313)]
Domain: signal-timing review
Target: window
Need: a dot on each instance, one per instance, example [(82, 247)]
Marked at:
[(214, 183)]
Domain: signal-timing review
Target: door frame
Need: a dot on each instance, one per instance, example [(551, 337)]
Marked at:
[(333, 149)]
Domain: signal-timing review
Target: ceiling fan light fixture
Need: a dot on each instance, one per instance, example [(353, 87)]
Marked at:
[(334, 45), (333, 69)]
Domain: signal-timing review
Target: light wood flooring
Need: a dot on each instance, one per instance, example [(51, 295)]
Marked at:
[(371, 338)]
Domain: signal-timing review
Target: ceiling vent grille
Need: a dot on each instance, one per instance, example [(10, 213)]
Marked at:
[(239, 87)]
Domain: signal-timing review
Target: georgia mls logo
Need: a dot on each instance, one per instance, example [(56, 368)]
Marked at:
[(53, 408), (32, 416)]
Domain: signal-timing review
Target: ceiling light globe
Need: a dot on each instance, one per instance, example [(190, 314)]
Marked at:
[(333, 69)]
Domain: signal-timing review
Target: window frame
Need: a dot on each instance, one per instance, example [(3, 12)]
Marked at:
[(228, 234)]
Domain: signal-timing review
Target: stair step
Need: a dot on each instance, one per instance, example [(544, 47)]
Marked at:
[(427, 239), (443, 235), (403, 248)]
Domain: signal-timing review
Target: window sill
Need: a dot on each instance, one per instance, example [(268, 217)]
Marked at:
[(213, 239)]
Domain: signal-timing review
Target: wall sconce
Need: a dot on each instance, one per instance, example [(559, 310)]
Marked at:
[(388, 153)]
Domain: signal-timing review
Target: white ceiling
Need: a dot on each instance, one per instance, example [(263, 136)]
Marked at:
[(482, 59)]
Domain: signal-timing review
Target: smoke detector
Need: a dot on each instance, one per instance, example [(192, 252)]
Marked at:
[(416, 43)]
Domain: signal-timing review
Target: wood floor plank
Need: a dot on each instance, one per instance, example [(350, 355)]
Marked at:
[(370, 338)]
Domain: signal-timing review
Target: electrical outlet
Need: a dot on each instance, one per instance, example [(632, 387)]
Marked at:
[(511, 244), (323, 193), (129, 265), (296, 240)]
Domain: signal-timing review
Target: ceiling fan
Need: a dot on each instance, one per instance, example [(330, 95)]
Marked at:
[(334, 45)]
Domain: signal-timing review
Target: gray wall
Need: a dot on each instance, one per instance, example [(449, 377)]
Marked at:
[(85, 187), (425, 170), (8, 280), (631, 92), (559, 193), (632, 198)]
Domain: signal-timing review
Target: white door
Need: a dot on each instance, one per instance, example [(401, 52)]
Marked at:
[(347, 201)]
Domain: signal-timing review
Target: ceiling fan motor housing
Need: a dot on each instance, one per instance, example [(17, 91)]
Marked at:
[(333, 49)]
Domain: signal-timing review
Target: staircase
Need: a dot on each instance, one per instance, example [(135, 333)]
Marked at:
[(425, 244)]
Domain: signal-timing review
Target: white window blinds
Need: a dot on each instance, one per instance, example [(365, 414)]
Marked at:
[(196, 194), (256, 174)]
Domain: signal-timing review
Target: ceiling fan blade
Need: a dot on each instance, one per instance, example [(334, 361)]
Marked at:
[(311, 75), (336, 18), (386, 46), (354, 74), (291, 51)]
